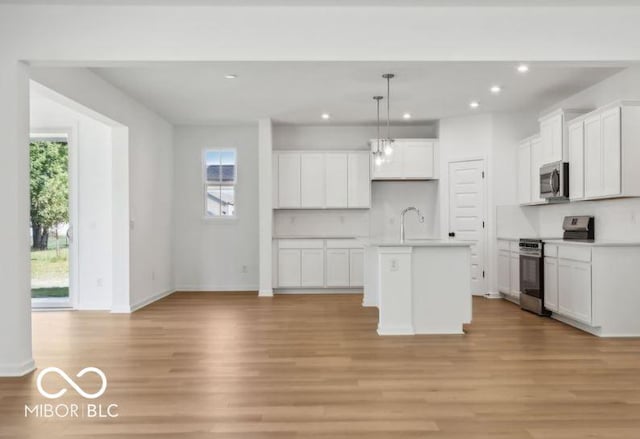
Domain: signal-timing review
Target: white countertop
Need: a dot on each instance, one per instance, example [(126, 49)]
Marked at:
[(314, 237), (414, 243), (592, 243), (597, 243)]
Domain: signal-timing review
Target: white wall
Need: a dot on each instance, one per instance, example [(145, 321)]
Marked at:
[(493, 137), (341, 137), (174, 33), (389, 198), (387, 203), (150, 177), (615, 219), (210, 253), (291, 33), (93, 171)]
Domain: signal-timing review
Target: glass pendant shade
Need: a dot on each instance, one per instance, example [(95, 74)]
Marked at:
[(388, 147)]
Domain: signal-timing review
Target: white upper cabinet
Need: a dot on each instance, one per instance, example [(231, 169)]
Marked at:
[(611, 152), (576, 160), (610, 147), (312, 174), (336, 180), (593, 166), (321, 180), (358, 180), (418, 159), (551, 138), (412, 159), (529, 162), (554, 136), (536, 163), (524, 172), (288, 180)]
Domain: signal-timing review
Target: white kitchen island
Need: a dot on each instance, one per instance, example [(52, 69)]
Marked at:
[(419, 286)]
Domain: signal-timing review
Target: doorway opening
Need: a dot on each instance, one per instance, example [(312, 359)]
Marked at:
[(51, 212)]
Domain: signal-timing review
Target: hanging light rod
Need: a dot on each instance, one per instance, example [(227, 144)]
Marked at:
[(387, 144), (377, 155)]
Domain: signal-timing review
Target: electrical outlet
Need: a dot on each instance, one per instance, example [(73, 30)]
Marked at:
[(153, 275), (99, 282), (392, 220), (245, 269), (394, 265), (634, 218)]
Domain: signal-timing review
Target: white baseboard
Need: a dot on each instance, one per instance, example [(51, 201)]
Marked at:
[(318, 291), (217, 288), (141, 304), (369, 304), (265, 293), (149, 300), (17, 370), (492, 295), (398, 330)]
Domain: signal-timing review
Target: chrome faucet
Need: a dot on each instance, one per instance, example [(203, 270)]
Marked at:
[(402, 214)]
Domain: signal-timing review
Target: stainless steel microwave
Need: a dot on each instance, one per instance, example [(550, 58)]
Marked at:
[(554, 181)]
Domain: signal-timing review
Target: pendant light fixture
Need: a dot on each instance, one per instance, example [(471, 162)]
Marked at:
[(378, 155), (387, 143)]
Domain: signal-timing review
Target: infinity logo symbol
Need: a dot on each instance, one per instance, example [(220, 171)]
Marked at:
[(71, 382)]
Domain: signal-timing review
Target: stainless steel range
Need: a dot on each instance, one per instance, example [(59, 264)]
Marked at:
[(532, 276)]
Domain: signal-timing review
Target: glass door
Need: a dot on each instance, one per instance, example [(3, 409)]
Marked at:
[(50, 227)]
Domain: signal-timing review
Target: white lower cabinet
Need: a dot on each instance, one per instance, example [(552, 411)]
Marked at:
[(312, 268), (337, 267), (509, 268), (567, 283), (289, 273), (320, 263), (574, 290), (551, 284), (503, 271), (356, 267), (514, 270)]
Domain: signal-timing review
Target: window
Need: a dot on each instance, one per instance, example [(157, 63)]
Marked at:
[(220, 174)]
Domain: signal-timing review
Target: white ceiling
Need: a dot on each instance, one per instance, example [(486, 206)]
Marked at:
[(394, 3), (298, 92)]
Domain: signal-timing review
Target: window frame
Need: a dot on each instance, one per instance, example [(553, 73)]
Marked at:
[(205, 185)]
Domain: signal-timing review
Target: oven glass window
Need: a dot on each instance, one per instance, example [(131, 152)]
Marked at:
[(531, 275)]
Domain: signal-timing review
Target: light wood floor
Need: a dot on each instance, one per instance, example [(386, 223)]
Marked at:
[(236, 366)]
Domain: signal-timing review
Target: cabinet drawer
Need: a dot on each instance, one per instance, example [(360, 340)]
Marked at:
[(574, 253), (551, 251), (504, 244), (343, 243), (300, 243)]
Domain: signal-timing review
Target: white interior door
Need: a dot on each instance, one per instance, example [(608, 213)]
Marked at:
[(467, 214)]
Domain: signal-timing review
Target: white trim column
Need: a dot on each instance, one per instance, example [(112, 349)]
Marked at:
[(15, 295), (265, 209)]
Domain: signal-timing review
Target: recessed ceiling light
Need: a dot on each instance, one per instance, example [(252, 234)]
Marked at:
[(523, 68), (474, 104), (326, 116), (230, 76), (406, 116), (495, 89)]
